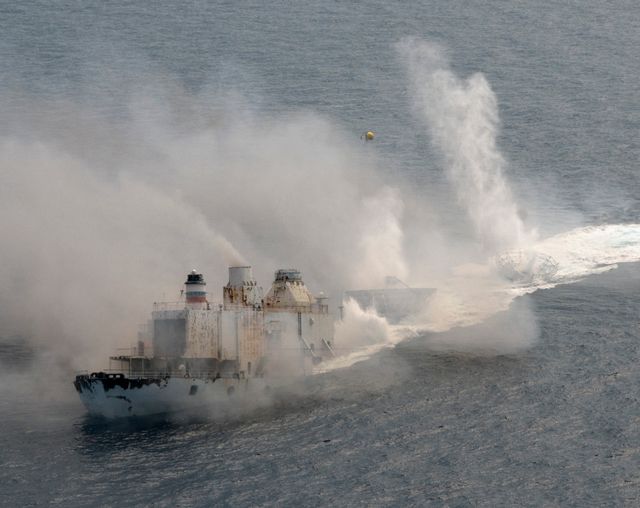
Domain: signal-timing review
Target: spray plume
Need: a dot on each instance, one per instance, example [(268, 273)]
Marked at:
[(462, 117)]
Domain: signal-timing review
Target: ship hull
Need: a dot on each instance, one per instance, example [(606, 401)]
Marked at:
[(117, 396)]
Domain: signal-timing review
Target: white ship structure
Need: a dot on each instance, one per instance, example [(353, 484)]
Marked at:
[(396, 302), (196, 354)]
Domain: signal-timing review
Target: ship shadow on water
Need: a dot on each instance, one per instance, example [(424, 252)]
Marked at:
[(165, 434), (98, 435)]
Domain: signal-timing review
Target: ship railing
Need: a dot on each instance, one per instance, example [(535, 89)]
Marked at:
[(162, 374), (162, 306), (303, 309), (181, 305), (127, 351)]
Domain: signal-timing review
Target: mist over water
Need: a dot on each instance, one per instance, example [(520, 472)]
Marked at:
[(257, 190), (137, 144), (93, 207), (217, 182)]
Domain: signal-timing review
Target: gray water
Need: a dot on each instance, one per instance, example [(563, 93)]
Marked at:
[(555, 425)]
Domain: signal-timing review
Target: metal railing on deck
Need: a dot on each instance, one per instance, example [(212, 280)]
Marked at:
[(181, 305), (128, 351), (162, 306), (145, 374)]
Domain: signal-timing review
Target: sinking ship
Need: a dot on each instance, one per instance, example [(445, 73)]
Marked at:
[(195, 354)]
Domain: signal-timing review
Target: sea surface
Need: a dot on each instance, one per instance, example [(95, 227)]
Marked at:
[(555, 423)]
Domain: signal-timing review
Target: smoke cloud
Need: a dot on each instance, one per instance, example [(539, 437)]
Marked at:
[(102, 213), (99, 218), (509, 331)]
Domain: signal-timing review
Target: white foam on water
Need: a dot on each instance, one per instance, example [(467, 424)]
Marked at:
[(590, 250), (474, 293), (359, 335)]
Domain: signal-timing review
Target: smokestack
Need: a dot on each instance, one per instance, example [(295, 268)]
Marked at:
[(196, 291), (242, 290), (239, 276)]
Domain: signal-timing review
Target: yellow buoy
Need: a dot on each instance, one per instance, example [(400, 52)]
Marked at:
[(368, 136)]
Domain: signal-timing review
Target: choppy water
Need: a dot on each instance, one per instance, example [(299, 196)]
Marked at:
[(557, 424)]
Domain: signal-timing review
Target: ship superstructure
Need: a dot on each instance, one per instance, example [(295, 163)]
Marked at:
[(396, 302), (196, 352)]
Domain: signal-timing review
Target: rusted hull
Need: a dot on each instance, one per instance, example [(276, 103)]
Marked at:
[(119, 396)]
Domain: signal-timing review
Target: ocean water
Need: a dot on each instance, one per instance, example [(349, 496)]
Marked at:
[(552, 422)]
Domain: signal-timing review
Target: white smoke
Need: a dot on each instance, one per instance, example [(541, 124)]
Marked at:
[(473, 309), (83, 253), (359, 334), (462, 117), (100, 219), (507, 331), (381, 240)]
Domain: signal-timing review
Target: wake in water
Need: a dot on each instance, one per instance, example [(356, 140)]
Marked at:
[(461, 117), (474, 294)]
